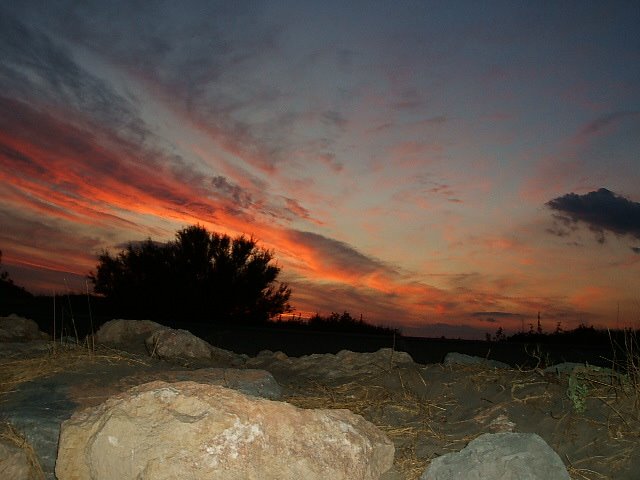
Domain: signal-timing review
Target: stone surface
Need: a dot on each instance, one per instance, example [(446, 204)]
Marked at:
[(122, 331), (455, 358), (503, 456), (258, 383), (14, 464), (169, 344), (572, 368), (18, 329), (37, 408), (187, 430), (345, 364)]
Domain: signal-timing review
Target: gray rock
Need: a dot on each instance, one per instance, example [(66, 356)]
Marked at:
[(258, 383), (170, 344), (121, 331), (573, 368), (188, 430), (18, 329), (345, 364), (36, 411), (455, 358), (500, 456), (14, 463)]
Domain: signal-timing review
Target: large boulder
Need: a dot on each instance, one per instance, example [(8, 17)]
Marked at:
[(165, 430), (118, 332), (521, 456), (18, 329)]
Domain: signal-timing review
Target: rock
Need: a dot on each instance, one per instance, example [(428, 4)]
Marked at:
[(18, 329), (455, 358), (258, 383), (572, 368), (36, 411), (14, 463), (126, 331), (341, 366), (168, 344), (521, 456), (188, 430)]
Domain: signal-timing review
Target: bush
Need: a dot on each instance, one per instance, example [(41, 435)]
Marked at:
[(200, 276)]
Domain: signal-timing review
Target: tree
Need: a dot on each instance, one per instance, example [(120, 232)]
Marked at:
[(4, 275), (8, 289), (199, 276)]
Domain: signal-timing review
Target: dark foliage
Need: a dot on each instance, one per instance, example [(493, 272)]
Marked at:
[(200, 276), (8, 289), (583, 334), (337, 322)]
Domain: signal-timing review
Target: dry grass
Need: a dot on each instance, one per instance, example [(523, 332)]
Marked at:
[(370, 401), (59, 358)]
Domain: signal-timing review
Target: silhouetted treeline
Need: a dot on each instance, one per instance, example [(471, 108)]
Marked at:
[(337, 322), (200, 276), (581, 335)]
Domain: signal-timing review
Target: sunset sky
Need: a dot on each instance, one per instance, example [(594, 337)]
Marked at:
[(442, 167)]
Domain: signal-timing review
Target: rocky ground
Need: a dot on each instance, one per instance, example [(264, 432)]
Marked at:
[(589, 416)]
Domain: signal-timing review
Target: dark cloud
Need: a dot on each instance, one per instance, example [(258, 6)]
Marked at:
[(240, 197), (38, 69), (496, 314), (297, 210), (606, 121), (334, 118), (602, 211), (339, 254), (562, 226), (196, 62), (437, 120), (409, 99)]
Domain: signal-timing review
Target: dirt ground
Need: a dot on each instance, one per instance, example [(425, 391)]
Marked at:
[(432, 410), (589, 416)]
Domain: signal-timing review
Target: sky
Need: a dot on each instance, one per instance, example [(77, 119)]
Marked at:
[(446, 168)]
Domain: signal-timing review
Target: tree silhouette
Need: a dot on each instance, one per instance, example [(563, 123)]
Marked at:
[(8, 289), (198, 276)]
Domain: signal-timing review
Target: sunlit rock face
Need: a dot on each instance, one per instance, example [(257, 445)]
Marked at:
[(163, 430)]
